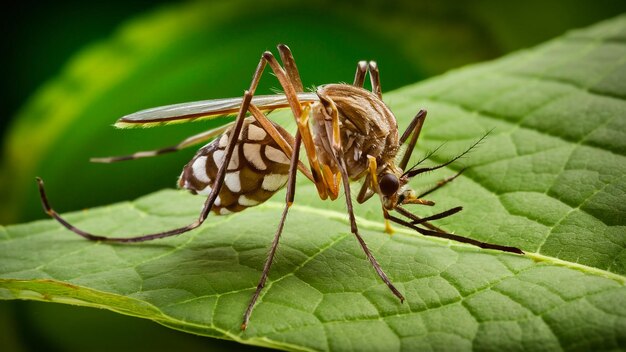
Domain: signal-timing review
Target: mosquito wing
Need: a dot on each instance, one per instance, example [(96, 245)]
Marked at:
[(205, 109)]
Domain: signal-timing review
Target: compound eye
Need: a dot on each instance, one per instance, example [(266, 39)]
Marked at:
[(389, 184)]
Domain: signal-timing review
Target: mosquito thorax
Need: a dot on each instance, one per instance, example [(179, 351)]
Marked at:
[(367, 127)]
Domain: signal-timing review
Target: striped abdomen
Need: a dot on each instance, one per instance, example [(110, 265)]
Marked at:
[(257, 170)]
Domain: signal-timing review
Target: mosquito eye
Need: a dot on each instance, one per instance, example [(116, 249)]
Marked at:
[(389, 184)]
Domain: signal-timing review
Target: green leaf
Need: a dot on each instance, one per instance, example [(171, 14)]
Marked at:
[(549, 179)]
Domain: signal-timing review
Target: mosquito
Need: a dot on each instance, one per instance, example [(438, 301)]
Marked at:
[(348, 134)]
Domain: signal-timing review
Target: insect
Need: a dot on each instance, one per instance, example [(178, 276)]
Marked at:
[(348, 134)]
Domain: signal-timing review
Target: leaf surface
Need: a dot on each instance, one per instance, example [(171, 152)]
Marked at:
[(549, 179)]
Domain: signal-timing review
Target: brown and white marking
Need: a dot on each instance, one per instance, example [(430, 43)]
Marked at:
[(257, 169)]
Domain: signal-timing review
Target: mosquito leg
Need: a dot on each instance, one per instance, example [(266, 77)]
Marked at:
[(277, 137), (414, 129), (309, 146), (365, 192), (414, 217), (329, 185), (355, 231), (375, 79), (415, 126), (48, 209), (359, 76), (285, 82), (290, 66), (372, 167), (187, 142), (208, 204), (362, 68), (443, 214), (456, 237), (301, 119), (335, 142), (417, 220), (418, 201), (291, 189)]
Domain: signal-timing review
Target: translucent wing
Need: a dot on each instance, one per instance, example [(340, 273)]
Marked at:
[(205, 109)]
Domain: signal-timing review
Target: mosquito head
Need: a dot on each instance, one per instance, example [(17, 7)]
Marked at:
[(394, 189), (389, 184)]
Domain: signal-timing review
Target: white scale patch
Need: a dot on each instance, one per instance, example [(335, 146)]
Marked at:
[(274, 182), (247, 202), (218, 158), (223, 141), (276, 155), (232, 181), (234, 160), (206, 191), (225, 211), (199, 169), (256, 133), (252, 152)]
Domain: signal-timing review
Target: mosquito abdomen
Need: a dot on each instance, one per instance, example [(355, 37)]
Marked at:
[(257, 169)]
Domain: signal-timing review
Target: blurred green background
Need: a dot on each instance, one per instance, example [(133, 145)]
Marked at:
[(72, 68)]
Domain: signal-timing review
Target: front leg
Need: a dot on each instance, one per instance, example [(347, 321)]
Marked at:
[(287, 81), (334, 141)]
